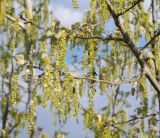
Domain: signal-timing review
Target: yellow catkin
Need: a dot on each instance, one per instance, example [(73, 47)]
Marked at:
[(76, 103), (2, 10), (14, 89), (12, 44), (32, 114), (75, 4), (143, 85)]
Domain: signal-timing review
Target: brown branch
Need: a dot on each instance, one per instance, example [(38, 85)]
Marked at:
[(14, 20), (116, 82), (133, 119), (93, 25), (152, 39), (153, 10), (119, 129), (88, 26), (13, 127), (114, 125), (30, 22), (126, 10), (109, 38)]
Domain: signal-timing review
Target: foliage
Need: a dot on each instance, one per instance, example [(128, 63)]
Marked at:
[(32, 42)]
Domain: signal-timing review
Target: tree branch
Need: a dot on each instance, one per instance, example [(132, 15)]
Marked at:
[(116, 82), (30, 22), (133, 119), (152, 39), (109, 38), (13, 127), (134, 4), (14, 20), (22, 25), (137, 52), (119, 129)]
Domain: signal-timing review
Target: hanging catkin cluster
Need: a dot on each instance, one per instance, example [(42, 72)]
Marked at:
[(2, 10), (14, 81), (62, 47), (143, 87), (92, 49), (90, 55), (32, 114), (75, 3), (14, 88), (105, 12), (47, 77), (75, 95), (157, 58), (91, 107), (12, 44), (28, 18), (60, 66)]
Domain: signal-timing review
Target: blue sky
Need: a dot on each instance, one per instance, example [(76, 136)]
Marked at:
[(64, 11)]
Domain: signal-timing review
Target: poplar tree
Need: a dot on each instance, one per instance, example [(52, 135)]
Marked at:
[(115, 63)]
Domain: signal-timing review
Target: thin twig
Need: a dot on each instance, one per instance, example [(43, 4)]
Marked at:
[(116, 82), (152, 39), (11, 130), (87, 26), (94, 25), (133, 119), (119, 129), (134, 4), (110, 38), (36, 67), (30, 22), (14, 20)]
